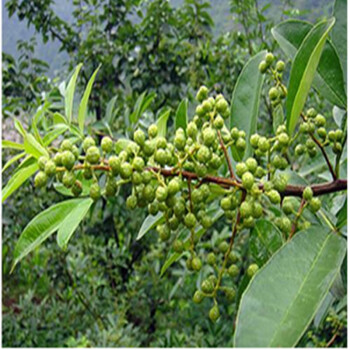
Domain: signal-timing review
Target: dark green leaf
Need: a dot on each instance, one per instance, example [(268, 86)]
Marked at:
[(149, 223), (181, 115)]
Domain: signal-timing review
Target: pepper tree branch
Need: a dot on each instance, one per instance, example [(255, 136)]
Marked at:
[(290, 190), (224, 149)]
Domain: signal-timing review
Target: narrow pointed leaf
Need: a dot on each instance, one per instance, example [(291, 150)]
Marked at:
[(329, 74), (33, 147), (284, 296), (110, 109), (303, 71), (53, 134), (246, 100), (181, 115), (13, 159), (149, 223), (69, 93), (11, 144), (72, 221), (41, 227), (162, 123), (18, 178), (84, 101)]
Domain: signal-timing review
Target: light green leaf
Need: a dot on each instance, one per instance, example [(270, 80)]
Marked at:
[(53, 134), (246, 100), (13, 159), (149, 223), (72, 220), (18, 178), (19, 127), (181, 115), (58, 118), (303, 71), (339, 32), (33, 147), (162, 123), (284, 296), (329, 75), (278, 117), (110, 109), (264, 240), (42, 226), (11, 144), (141, 105), (69, 93), (84, 101)]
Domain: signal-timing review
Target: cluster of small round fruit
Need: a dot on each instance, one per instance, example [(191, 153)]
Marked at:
[(179, 178)]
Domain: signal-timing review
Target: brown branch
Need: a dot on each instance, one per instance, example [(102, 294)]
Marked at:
[(224, 149)]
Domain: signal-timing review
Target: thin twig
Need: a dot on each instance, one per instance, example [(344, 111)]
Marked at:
[(295, 223), (228, 160)]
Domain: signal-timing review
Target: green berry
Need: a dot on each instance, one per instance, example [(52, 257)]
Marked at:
[(198, 297), (233, 271), (263, 67), (66, 145), (190, 220), (257, 210), (114, 163), (209, 136), (223, 247), (106, 144), (196, 264), (139, 137), (219, 122), (283, 139), (274, 196), (164, 232), (273, 93), (300, 150), (226, 203), (246, 209), (174, 186), (68, 179), (211, 259), (125, 170), (178, 246), (57, 159), (207, 286), (203, 154), (77, 188), (230, 293), (50, 168), (87, 143), (308, 193), (131, 202), (138, 164), (40, 179), (241, 168), (87, 173), (280, 66), (68, 159), (180, 140), (285, 225), (214, 313), (311, 113), (152, 131), (42, 162), (321, 132), (160, 156), (315, 204), (247, 180), (202, 94), (339, 135), (93, 155), (269, 58), (320, 120), (331, 135), (162, 193), (252, 270), (153, 208), (287, 207), (148, 148), (222, 106), (241, 144), (192, 130), (111, 188), (264, 144), (207, 106)]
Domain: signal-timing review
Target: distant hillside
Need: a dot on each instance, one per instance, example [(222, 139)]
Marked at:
[(14, 30)]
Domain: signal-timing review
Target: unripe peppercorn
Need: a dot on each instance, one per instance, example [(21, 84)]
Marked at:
[(207, 106), (280, 66), (178, 246), (196, 264), (222, 106), (331, 135), (88, 142), (241, 168), (68, 159), (246, 209), (339, 134), (263, 67), (138, 164), (274, 196), (111, 188), (160, 156), (162, 193), (57, 159), (190, 220), (180, 140), (179, 209), (219, 122), (207, 286), (299, 149), (201, 170), (42, 162), (233, 271), (202, 94), (287, 207), (125, 170), (174, 186), (252, 270), (223, 247), (337, 147), (198, 297), (321, 132), (114, 163), (214, 313), (211, 259), (93, 155), (148, 148), (139, 137), (225, 203), (106, 144), (40, 179), (153, 208), (263, 144), (66, 145), (234, 133), (50, 168), (68, 179), (286, 225), (283, 139), (192, 130), (269, 58), (315, 204), (87, 173), (203, 154), (251, 164), (200, 111), (257, 210), (230, 293), (152, 131), (247, 180), (209, 135), (320, 120), (164, 232), (311, 113), (308, 193), (241, 144), (254, 140), (304, 128), (273, 93)]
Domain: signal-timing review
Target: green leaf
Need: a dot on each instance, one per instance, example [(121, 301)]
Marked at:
[(342, 216), (110, 109), (323, 310), (11, 144), (284, 296), (58, 118), (19, 177), (329, 75), (264, 240), (141, 105), (303, 71), (339, 32), (149, 223), (13, 159), (69, 93), (42, 226), (84, 101), (246, 100), (33, 147), (162, 123), (72, 220), (181, 115), (86, 184), (19, 127), (53, 134)]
